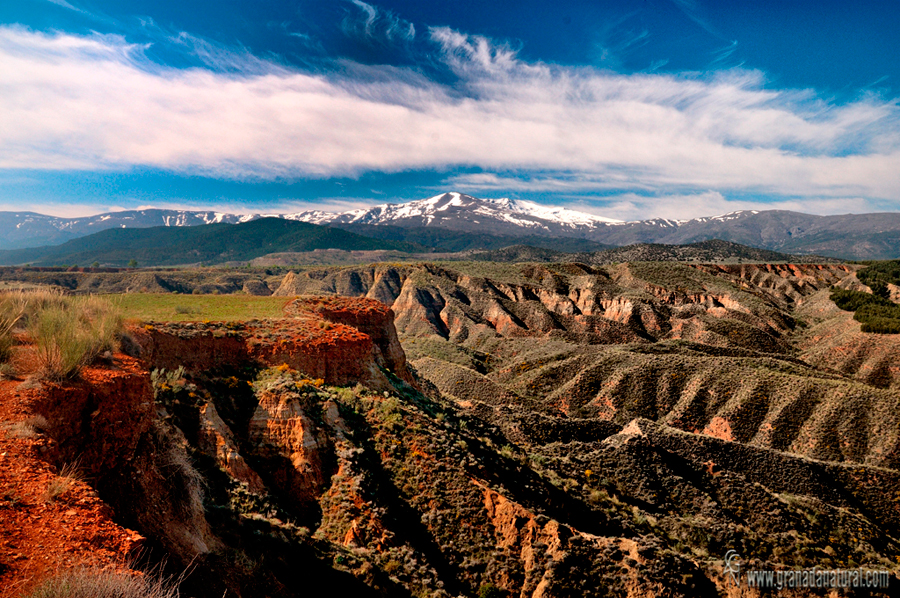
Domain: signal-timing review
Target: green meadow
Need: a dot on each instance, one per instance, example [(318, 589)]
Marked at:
[(166, 307)]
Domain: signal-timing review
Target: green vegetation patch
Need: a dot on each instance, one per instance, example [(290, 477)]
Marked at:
[(681, 278), (874, 310), (495, 271), (12, 310), (880, 273), (165, 307)]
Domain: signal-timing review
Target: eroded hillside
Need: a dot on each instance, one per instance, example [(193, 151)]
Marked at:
[(715, 349), (501, 430)]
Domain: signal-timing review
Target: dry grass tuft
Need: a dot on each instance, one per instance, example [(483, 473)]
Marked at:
[(7, 370), (18, 430), (70, 332), (68, 476), (38, 423), (101, 583), (12, 310), (27, 428)]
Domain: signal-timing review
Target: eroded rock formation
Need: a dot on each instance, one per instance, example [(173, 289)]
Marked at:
[(560, 431)]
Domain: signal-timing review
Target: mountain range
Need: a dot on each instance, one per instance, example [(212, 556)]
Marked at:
[(455, 222), (213, 243)]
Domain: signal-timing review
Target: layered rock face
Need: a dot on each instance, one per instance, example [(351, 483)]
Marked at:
[(270, 439), (50, 517), (340, 340), (108, 426), (372, 318), (582, 303), (785, 282), (259, 440), (312, 489), (705, 348)]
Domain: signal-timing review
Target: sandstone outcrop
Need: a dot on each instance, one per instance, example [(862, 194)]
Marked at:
[(370, 317), (342, 341)]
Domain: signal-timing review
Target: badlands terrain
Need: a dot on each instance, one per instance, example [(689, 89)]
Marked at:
[(477, 428)]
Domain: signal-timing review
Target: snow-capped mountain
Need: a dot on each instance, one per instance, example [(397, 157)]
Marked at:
[(450, 210), (510, 221), (462, 212)]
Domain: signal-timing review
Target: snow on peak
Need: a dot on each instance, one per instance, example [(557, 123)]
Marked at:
[(519, 212), (734, 215), (444, 207), (553, 213)]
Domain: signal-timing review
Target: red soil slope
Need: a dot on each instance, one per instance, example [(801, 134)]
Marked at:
[(98, 422), (40, 535)]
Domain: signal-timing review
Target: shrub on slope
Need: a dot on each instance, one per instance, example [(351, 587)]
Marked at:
[(875, 312)]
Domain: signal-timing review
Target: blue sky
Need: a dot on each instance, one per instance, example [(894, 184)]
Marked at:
[(655, 108)]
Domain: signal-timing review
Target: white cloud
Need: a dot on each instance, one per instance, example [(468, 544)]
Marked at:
[(285, 206), (474, 54), (95, 102), (62, 210), (636, 206), (681, 207)]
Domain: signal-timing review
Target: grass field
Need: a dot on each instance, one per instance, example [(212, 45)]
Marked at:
[(164, 307)]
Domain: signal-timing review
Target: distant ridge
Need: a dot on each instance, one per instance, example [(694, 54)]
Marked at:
[(29, 229), (214, 243), (713, 251)]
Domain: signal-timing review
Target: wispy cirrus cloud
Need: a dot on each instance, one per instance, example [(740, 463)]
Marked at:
[(374, 23), (97, 102), (70, 6), (64, 4)]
